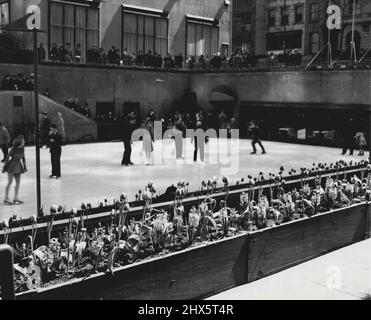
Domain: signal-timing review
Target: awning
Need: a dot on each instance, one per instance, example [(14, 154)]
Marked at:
[(203, 20), (144, 10)]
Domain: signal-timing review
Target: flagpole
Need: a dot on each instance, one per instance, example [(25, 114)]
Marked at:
[(37, 123)]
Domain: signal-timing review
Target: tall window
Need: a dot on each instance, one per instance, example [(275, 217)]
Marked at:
[(272, 18), (144, 33), (314, 12), (299, 10), (284, 16), (202, 39), (74, 24), (314, 42), (4, 12)]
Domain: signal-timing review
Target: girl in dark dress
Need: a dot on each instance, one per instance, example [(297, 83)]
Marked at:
[(15, 166)]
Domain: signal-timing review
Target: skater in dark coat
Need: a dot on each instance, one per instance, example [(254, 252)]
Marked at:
[(129, 127), (55, 142), (256, 137)]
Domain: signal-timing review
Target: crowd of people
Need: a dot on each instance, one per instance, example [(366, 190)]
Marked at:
[(178, 121), (75, 105), (17, 82)]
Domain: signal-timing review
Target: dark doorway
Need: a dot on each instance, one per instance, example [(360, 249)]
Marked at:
[(104, 108), (130, 107)]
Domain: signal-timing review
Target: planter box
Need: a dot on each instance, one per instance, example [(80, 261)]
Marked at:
[(275, 249), (214, 267)]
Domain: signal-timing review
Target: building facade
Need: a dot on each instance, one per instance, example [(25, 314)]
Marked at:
[(279, 25), (190, 27)]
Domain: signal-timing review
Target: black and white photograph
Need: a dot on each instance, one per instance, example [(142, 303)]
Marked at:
[(195, 152)]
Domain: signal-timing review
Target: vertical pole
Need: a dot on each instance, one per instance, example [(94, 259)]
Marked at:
[(6, 272), (37, 124), (329, 49)]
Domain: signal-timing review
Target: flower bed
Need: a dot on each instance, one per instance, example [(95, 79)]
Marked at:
[(132, 258)]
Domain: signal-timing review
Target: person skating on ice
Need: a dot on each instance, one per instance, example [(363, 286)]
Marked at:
[(256, 137), (15, 166), (55, 142)]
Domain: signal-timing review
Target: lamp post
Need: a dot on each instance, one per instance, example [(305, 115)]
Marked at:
[(31, 22)]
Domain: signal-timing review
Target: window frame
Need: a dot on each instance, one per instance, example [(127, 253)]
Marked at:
[(9, 10), (316, 12), (285, 9), (207, 23), (301, 6), (144, 14), (311, 41), (81, 4), (272, 19)]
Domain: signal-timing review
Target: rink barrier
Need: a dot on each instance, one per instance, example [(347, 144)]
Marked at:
[(275, 249), (368, 222), (213, 267), (21, 228)]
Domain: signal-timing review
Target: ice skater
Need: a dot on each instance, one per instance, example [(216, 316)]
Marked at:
[(55, 142), (256, 137), (361, 143), (129, 127), (199, 145), (15, 166)]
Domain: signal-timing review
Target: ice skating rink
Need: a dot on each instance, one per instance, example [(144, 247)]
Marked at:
[(93, 172)]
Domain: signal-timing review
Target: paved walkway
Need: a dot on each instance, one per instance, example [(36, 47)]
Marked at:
[(92, 172), (344, 274)]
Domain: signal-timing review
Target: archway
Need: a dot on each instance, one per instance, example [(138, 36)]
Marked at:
[(223, 98)]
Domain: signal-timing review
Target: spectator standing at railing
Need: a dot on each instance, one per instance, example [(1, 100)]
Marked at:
[(46, 93), (168, 61), (179, 61), (272, 60), (54, 53), (77, 105), (86, 110), (69, 103), (78, 53), (6, 83), (222, 119), (202, 62), (113, 56), (4, 141), (191, 62)]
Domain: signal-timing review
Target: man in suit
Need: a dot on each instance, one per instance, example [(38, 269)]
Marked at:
[(55, 145), (129, 127)]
